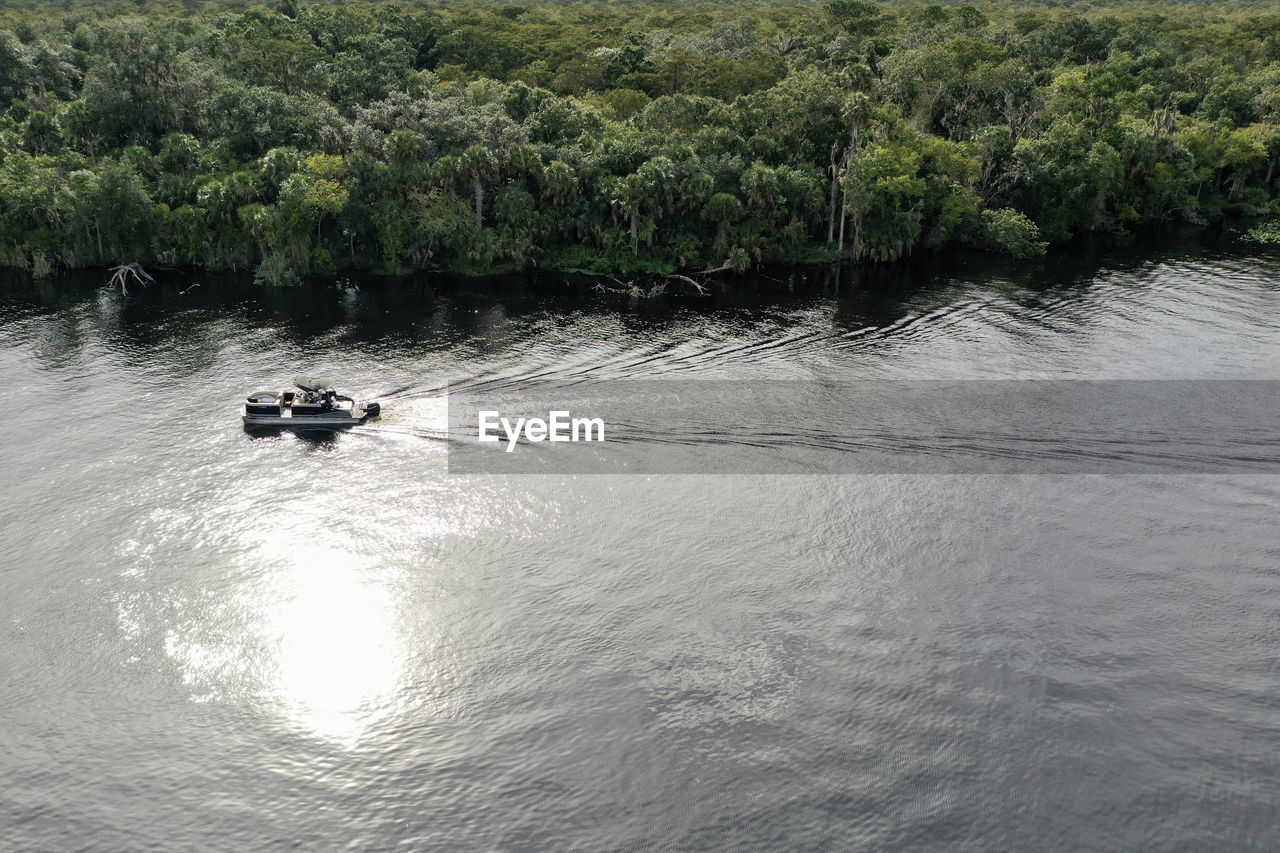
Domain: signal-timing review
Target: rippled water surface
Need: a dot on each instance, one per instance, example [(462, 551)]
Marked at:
[(210, 639)]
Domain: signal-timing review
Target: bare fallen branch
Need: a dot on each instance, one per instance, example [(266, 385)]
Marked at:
[(122, 273), (701, 288)]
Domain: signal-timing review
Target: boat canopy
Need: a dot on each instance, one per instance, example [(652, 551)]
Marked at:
[(313, 384)]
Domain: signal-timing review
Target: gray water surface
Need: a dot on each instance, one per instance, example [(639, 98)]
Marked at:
[(220, 641)]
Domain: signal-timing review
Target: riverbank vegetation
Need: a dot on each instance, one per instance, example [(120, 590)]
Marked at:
[(298, 138)]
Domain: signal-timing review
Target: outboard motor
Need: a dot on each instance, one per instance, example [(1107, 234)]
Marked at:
[(372, 409)]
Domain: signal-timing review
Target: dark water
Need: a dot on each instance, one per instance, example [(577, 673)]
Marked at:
[(217, 641)]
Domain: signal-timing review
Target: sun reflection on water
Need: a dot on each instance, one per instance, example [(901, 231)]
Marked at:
[(338, 658), (331, 639), (312, 634)]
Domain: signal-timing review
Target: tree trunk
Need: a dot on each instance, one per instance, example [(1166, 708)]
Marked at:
[(855, 145), (1237, 187), (635, 234), (831, 205), (844, 214), (97, 229), (478, 189)]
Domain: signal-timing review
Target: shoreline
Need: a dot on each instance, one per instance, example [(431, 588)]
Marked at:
[(1152, 242)]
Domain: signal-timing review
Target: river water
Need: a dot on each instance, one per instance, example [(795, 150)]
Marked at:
[(215, 640)]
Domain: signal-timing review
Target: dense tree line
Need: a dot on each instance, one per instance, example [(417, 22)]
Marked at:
[(302, 137)]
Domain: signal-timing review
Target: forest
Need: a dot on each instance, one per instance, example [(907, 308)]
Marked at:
[(296, 139)]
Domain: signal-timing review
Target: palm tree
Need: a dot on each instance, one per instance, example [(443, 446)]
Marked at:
[(524, 162), (559, 183), (402, 148), (723, 209), (760, 183), (477, 162), (658, 181), (627, 196)]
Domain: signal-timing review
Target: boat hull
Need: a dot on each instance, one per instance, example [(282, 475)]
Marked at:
[(347, 417), (309, 422)]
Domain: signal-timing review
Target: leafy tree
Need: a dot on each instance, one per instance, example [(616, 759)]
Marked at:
[(41, 135), (1006, 230), (17, 68), (122, 211), (859, 18), (140, 84), (882, 186), (290, 65)]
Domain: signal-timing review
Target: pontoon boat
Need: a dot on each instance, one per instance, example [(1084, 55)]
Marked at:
[(312, 404)]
